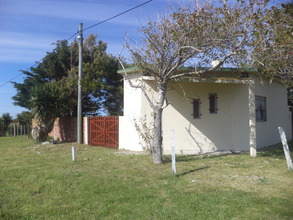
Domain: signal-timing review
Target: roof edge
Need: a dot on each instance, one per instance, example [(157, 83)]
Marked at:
[(137, 69)]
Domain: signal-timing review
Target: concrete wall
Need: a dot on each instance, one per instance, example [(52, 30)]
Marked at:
[(228, 129), (128, 136), (278, 113), (232, 128), (85, 130)]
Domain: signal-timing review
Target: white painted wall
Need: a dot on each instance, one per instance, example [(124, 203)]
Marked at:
[(226, 130), (128, 136), (232, 128), (277, 113)]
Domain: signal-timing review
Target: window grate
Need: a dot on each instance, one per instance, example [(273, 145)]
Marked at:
[(213, 103), (260, 108), (196, 108)]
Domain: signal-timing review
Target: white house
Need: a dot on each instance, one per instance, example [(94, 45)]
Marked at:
[(224, 111)]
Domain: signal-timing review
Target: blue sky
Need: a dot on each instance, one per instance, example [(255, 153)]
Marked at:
[(29, 27)]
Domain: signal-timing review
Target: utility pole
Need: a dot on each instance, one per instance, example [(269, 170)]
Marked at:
[(79, 97)]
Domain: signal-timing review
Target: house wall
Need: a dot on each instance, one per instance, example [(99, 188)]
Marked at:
[(278, 113), (232, 128), (226, 130), (128, 136)]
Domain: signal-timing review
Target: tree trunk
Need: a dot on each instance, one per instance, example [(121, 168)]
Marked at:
[(157, 150), (40, 132)]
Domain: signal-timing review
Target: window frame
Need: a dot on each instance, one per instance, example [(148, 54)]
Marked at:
[(196, 104), (213, 104), (260, 108)]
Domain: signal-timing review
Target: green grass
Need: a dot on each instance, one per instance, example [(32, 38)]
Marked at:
[(42, 182)]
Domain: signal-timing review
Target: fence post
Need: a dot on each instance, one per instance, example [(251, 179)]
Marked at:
[(73, 153), (173, 151), (286, 148)]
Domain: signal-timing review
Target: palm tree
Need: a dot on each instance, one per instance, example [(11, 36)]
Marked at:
[(47, 103)]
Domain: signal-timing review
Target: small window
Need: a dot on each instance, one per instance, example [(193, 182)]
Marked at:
[(196, 108), (213, 103), (260, 108)]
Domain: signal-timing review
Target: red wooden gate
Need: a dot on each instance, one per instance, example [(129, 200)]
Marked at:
[(104, 131)]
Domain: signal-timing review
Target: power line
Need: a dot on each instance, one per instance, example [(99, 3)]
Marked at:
[(94, 25), (115, 16), (118, 15), (10, 81)]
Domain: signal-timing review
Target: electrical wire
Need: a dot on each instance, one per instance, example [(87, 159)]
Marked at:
[(94, 25), (115, 16), (10, 81), (122, 13)]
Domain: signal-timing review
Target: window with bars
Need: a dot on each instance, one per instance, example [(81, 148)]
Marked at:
[(213, 103), (260, 108), (196, 108)]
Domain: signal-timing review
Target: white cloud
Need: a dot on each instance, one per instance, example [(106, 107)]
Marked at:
[(24, 40), (73, 10), (23, 47)]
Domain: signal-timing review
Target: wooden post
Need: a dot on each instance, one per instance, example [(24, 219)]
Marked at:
[(286, 148)]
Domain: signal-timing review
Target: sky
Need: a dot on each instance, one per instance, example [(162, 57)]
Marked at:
[(28, 29)]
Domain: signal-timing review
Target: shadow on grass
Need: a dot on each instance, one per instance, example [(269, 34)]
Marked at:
[(192, 171), (275, 151), (187, 158), (274, 154)]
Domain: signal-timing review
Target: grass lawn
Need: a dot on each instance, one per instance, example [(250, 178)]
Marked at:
[(42, 182)]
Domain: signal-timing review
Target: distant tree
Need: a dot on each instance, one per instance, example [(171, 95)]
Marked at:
[(226, 31), (24, 118), (5, 120), (1, 127), (102, 86)]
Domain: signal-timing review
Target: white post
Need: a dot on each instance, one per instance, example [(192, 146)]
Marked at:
[(73, 153), (173, 152), (86, 130), (286, 148), (252, 119)]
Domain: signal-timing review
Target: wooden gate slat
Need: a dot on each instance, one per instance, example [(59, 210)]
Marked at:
[(104, 131)]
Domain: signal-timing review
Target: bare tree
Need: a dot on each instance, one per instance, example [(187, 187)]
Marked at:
[(201, 33), (274, 54)]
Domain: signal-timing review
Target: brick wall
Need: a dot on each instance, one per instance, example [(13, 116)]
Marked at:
[(64, 129)]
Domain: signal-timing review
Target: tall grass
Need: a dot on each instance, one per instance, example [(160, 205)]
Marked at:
[(42, 182)]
